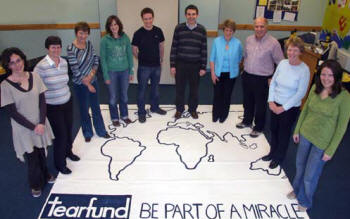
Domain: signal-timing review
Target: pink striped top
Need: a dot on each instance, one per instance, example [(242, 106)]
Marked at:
[(261, 55)]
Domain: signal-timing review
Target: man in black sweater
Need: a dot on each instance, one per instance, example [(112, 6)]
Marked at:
[(188, 60)]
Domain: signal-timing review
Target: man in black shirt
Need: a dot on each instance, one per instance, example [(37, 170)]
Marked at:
[(148, 48)]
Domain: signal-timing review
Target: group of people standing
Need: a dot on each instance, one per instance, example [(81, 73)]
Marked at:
[(30, 97), (324, 117)]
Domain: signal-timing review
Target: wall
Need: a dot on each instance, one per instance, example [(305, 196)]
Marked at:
[(242, 11), (208, 12), (67, 11), (50, 12)]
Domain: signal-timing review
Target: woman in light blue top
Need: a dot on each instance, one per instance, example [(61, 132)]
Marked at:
[(225, 57), (287, 88)]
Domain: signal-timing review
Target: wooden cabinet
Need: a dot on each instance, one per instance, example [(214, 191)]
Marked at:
[(311, 59)]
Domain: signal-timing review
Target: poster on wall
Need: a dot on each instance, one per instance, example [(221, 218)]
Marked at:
[(336, 23), (278, 10)]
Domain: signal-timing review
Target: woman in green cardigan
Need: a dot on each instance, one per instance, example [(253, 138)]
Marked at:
[(320, 128)]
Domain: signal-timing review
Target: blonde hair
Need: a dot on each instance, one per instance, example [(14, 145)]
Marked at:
[(229, 23), (295, 41)]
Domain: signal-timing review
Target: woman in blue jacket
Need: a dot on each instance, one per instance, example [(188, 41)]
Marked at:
[(225, 57)]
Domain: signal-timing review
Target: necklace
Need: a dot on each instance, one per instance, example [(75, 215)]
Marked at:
[(79, 45), (227, 46)]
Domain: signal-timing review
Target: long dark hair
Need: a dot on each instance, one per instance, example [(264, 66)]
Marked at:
[(337, 70), (109, 21), (6, 57)]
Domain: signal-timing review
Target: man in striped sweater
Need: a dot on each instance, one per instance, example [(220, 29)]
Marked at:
[(188, 60)]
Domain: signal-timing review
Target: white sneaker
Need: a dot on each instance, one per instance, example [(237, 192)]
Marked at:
[(36, 193)]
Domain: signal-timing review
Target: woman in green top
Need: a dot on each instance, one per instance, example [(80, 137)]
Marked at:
[(117, 67), (320, 128)]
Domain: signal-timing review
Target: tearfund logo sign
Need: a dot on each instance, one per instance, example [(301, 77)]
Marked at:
[(87, 206)]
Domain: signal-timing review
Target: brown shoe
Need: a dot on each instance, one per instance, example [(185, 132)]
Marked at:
[(51, 179), (291, 195), (302, 208), (116, 123), (242, 125), (254, 134), (178, 115), (194, 115), (127, 121)]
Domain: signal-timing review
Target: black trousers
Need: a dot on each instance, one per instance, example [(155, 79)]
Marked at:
[(61, 120), (281, 129), (255, 93), (187, 73), (38, 173), (222, 96)]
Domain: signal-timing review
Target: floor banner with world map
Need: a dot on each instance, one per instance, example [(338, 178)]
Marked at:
[(166, 168)]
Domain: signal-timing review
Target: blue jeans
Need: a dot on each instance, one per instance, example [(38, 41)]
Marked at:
[(119, 85), (309, 165), (145, 73), (87, 99)]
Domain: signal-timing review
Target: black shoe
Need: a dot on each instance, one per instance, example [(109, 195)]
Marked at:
[(273, 164), (178, 115), (266, 158), (142, 118), (87, 139), (73, 157), (159, 111), (215, 119), (65, 171), (194, 114), (106, 136), (222, 120), (127, 121)]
